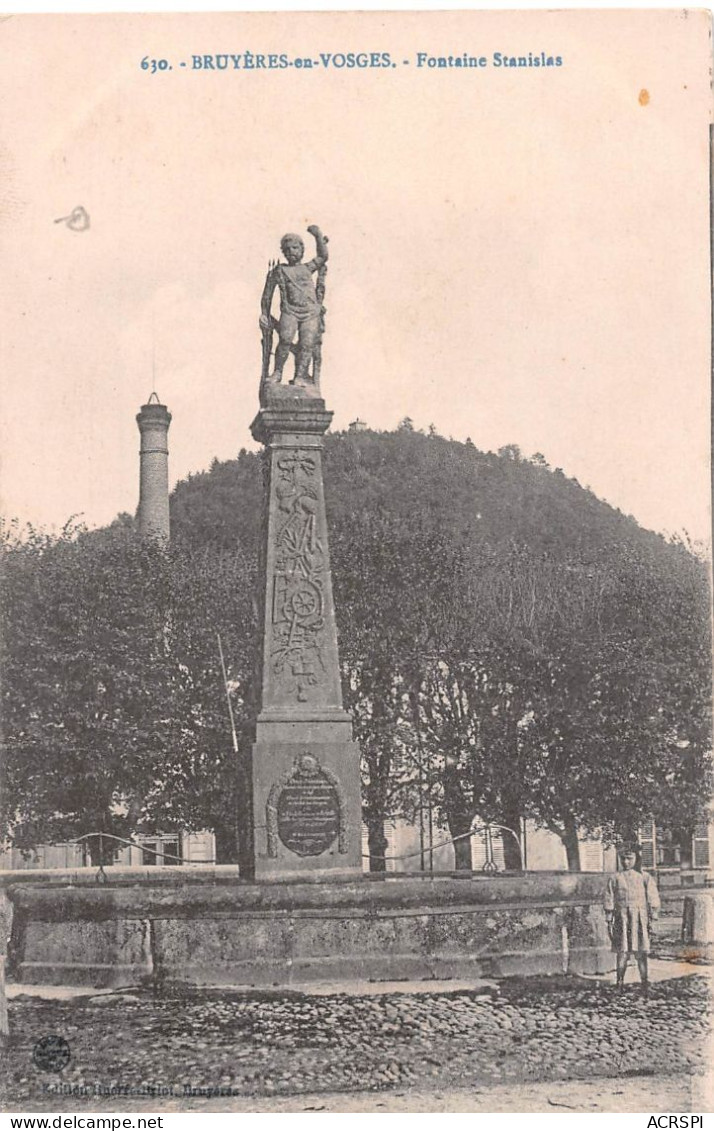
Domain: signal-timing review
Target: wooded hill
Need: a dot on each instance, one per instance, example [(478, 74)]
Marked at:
[(511, 646)]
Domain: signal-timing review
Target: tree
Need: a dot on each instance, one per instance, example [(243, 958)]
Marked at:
[(511, 647), (618, 694), (82, 706), (575, 695), (212, 596), (385, 601), (114, 705)]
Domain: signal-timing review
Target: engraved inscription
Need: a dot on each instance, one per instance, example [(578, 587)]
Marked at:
[(305, 810), (298, 620), (308, 816)]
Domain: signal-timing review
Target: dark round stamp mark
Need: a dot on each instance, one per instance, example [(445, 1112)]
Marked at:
[(51, 1053)]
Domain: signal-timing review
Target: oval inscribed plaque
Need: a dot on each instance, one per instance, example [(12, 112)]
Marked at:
[(308, 810)]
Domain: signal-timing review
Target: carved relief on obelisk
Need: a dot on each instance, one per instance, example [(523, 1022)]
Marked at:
[(298, 582)]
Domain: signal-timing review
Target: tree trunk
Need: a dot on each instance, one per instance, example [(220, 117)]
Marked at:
[(462, 850), (511, 817), (458, 816), (377, 843), (504, 743), (379, 763), (569, 837), (102, 850), (226, 844)]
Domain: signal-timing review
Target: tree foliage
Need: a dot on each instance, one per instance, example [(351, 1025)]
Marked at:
[(115, 716), (511, 647)]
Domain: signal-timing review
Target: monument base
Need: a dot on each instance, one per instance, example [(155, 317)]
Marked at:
[(206, 927), (307, 823)]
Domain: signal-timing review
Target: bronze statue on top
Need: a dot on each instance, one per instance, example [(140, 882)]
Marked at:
[(302, 314)]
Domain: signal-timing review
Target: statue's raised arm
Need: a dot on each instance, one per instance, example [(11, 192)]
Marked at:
[(321, 251), (302, 314)]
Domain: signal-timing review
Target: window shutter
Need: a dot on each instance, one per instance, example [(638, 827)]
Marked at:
[(648, 846), (700, 846)]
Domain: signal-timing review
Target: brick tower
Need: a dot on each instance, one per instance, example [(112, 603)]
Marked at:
[(153, 514)]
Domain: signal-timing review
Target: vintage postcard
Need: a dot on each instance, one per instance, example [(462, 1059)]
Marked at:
[(356, 648)]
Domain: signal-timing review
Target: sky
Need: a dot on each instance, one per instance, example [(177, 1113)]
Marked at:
[(517, 255)]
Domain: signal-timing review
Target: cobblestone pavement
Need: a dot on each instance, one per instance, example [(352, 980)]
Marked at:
[(275, 1045)]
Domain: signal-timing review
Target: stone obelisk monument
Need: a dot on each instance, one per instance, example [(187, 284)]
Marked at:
[(305, 766)]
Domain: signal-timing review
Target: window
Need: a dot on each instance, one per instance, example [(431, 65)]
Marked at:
[(171, 851), (667, 848), (669, 852), (161, 850)]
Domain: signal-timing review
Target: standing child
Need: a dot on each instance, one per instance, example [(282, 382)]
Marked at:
[(631, 904)]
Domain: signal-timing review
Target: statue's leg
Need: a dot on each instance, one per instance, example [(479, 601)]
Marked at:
[(287, 326), (307, 337)]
